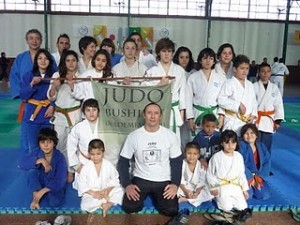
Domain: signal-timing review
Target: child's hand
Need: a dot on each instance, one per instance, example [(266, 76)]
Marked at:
[(49, 112), (35, 80), (246, 194), (204, 164), (56, 83), (126, 81), (250, 119), (221, 121), (70, 81), (242, 109), (164, 80), (192, 125), (214, 192), (45, 164), (98, 194)]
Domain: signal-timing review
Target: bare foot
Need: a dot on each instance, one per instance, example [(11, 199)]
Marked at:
[(105, 207), (70, 177), (35, 202)]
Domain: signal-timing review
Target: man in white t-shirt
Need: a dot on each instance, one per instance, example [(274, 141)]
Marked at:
[(157, 168)]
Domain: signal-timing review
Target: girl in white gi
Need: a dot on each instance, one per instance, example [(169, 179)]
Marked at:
[(99, 184), (270, 106), (80, 136), (130, 67), (87, 47), (237, 99), (227, 180), (193, 188), (101, 68), (164, 50), (67, 98), (184, 58), (225, 56), (202, 90)]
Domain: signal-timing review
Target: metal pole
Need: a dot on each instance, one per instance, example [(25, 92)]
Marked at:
[(286, 29), (129, 14), (208, 16), (46, 23)]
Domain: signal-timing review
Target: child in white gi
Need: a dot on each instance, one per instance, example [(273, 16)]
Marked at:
[(99, 183), (193, 188), (237, 99), (227, 180)]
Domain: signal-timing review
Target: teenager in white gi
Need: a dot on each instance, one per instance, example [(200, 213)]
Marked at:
[(226, 176), (270, 106), (87, 47), (225, 56), (184, 58), (101, 68), (193, 187), (157, 167), (237, 99), (279, 71), (80, 136), (202, 90), (67, 98), (99, 184), (164, 50), (130, 67)]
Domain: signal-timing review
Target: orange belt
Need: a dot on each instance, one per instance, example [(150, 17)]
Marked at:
[(39, 104), (266, 113), (66, 112), (21, 111), (238, 115)]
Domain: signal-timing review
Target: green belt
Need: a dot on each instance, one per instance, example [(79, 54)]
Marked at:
[(174, 119), (66, 111), (205, 111)]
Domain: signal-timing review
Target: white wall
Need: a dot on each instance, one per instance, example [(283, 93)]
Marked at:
[(255, 39)]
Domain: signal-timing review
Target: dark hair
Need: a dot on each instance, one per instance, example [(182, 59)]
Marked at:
[(85, 41), (190, 64), (206, 52), (135, 33), (192, 145), (222, 47), (281, 60), (108, 42), (262, 65), (129, 40), (62, 67), (251, 126), (96, 143), (152, 103), (240, 59), (107, 69), (91, 102), (34, 31), (48, 134), (164, 43), (209, 118), (275, 59), (35, 68), (64, 35), (228, 135)]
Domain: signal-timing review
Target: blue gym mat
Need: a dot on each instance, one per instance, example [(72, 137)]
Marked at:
[(15, 198)]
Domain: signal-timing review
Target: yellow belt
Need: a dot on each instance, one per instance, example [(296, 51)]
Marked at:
[(39, 104), (238, 115), (224, 182)]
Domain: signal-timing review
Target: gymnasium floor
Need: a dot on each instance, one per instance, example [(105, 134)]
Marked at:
[(14, 199)]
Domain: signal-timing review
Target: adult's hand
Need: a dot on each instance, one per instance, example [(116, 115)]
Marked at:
[(132, 192)]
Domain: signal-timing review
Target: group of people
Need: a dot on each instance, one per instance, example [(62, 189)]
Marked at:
[(218, 144)]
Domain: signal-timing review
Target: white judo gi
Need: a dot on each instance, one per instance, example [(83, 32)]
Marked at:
[(192, 181), (232, 94), (67, 111), (82, 67), (202, 94), (178, 92), (90, 180), (229, 73), (227, 174), (270, 106)]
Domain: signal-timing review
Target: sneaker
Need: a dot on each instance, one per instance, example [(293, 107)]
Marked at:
[(62, 220), (180, 218)]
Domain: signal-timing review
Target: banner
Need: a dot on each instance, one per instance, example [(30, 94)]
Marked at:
[(121, 111)]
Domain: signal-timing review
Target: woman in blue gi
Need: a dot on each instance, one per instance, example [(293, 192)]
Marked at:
[(47, 167), (38, 108), (257, 162)]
